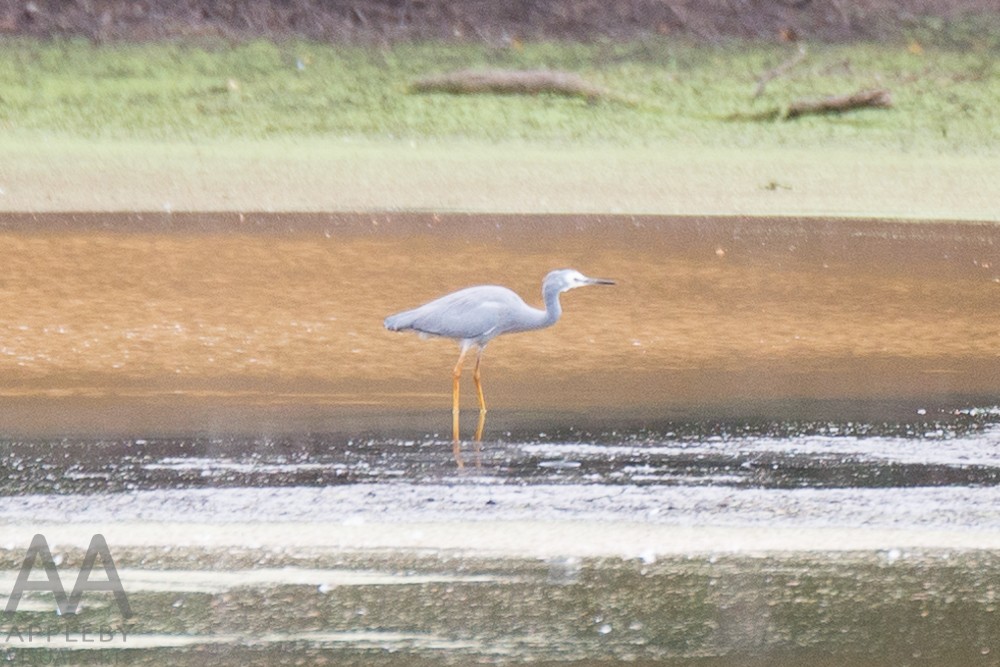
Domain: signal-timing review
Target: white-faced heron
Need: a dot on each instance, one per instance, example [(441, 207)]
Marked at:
[(476, 315)]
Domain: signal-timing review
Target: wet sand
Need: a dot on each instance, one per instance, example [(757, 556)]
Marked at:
[(176, 322)]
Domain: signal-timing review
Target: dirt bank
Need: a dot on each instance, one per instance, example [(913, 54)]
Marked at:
[(482, 20)]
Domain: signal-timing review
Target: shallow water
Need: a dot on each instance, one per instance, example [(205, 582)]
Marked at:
[(195, 322), (861, 609), (774, 442), (943, 447), (280, 603)]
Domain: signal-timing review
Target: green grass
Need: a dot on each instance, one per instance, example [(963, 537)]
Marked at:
[(243, 127), (946, 98)]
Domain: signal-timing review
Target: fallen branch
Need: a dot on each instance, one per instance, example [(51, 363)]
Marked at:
[(511, 82), (837, 104), (878, 98), (780, 70)]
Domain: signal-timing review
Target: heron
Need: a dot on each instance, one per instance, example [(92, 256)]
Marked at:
[(476, 315)]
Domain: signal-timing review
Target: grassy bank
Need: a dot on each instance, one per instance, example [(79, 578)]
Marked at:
[(79, 121), (263, 90)]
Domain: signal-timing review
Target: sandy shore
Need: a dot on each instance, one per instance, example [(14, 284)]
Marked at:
[(72, 174)]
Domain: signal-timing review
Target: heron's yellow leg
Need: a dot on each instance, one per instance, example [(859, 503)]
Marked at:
[(479, 385), (480, 426), (456, 375)]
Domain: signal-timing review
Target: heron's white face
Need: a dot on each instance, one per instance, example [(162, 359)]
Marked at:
[(575, 279), (571, 279)]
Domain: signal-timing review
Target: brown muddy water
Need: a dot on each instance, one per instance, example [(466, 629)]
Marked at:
[(772, 442), (169, 321)]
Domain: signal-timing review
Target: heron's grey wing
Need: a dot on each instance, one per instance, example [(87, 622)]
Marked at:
[(468, 314)]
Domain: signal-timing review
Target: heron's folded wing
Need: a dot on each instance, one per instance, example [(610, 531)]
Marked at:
[(467, 314), (464, 316)]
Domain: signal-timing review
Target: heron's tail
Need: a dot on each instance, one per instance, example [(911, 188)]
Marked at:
[(399, 321)]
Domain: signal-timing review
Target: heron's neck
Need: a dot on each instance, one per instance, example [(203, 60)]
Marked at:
[(553, 309), (536, 318)]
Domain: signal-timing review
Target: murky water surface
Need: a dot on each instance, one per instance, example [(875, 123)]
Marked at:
[(947, 447), (861, 609), (285, 604), (131, 321), (219, 395)]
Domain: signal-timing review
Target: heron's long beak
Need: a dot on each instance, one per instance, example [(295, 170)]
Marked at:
[(599, 281)]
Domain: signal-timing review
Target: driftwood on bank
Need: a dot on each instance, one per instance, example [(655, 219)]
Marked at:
[(511, 82), (877, 98)]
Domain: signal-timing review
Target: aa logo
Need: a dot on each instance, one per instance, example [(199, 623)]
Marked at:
[(39, 550)]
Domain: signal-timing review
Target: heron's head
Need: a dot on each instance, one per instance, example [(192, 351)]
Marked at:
[(567, 279)]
